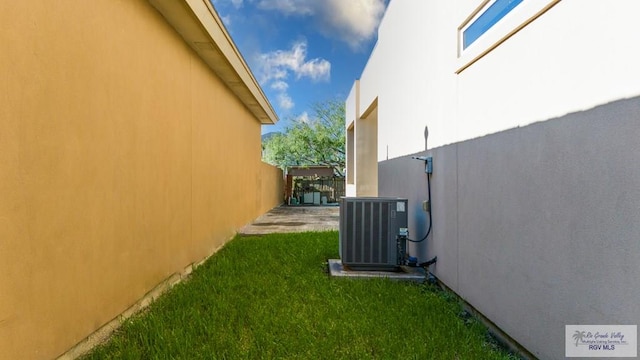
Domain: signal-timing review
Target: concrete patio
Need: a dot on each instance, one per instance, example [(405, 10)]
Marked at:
[(288, 219)]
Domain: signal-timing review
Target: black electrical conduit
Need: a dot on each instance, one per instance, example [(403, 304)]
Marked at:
[(429, 229)]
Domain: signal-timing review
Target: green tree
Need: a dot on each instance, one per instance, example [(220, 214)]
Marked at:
[(316, 140)]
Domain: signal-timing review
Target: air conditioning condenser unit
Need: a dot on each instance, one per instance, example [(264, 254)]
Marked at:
[(369, 230)]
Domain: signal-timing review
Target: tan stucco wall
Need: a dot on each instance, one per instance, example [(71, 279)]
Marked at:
[(366, 149), (123, 159)]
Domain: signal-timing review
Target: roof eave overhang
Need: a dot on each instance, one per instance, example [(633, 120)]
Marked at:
[(202, 29)]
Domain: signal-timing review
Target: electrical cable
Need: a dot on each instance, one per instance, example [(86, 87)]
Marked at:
[(429, 229)]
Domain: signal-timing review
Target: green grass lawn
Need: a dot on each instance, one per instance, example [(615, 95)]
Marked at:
[(269, 297)]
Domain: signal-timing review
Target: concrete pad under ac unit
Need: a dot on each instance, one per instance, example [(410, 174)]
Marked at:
[(336, 269)]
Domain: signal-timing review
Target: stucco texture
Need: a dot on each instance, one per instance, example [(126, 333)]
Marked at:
[(535, 227), (123, 160)]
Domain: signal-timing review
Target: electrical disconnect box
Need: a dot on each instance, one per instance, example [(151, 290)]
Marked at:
[(369, 231)]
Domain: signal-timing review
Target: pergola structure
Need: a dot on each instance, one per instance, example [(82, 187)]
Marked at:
[(310, 172)]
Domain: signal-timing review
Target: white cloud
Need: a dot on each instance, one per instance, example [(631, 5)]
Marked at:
[(236, 3), (226, 20), (289, 7), (316, 69), (285, 102), (274, 69), (278, 64), (352, 21), (303, 118), (279, 85)]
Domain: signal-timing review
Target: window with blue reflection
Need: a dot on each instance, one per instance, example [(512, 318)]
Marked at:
[(489, 17)]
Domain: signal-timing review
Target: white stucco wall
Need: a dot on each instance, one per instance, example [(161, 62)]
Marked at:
[(390, 77), (351, 106), (534, 191), (574, 57), (351, 113), (535, 227), (577, 55)]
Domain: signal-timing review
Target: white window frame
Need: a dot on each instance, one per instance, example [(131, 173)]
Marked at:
[(519, 17)]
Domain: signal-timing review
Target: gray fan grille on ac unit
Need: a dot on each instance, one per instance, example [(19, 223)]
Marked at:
[(368, 230)]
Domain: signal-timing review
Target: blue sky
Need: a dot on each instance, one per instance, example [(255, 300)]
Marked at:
[(303, 51)]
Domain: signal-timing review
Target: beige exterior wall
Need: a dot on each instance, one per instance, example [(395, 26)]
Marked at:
[(366, 148), (362, 145), (123, 157), (350, 154)]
